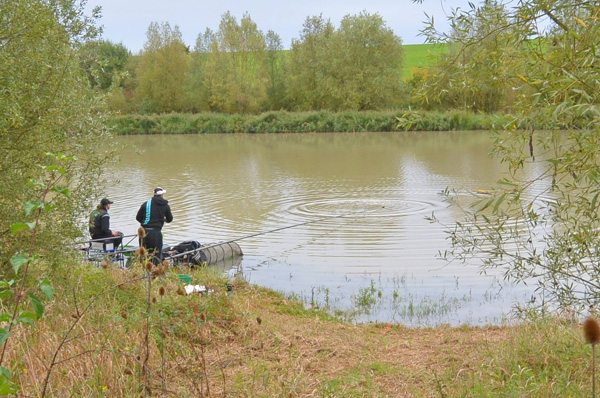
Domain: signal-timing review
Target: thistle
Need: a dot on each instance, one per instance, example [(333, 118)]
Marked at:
[(591, 331), (141, 232), (158, 270), (141, 252)]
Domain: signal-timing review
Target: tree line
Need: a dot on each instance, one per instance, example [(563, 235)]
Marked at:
[(355, 67), (240, 69)]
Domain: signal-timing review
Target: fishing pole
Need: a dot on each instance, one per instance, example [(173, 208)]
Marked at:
[(266, 232), (130, 240), (109, 238)]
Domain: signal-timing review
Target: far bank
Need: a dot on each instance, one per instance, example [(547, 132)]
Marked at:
[(309, 122)]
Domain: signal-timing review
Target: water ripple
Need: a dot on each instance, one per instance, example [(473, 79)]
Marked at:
[(326, 216)]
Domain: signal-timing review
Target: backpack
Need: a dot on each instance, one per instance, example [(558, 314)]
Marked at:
[(186, 246), (195, 257)]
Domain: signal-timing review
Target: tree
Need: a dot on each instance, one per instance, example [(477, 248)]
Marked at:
[(242, 45), (104, 62), (201, 77), (46, 106), (228, 72), (162, 70), (106, 66), (542, 224), (356, 67), (311, 64), (276, 66), (366, 62), (479, 71)]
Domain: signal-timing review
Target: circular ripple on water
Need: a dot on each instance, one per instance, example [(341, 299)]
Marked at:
[(364, 206)]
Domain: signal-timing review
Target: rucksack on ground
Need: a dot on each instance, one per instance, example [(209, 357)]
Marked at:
[(192, 256)]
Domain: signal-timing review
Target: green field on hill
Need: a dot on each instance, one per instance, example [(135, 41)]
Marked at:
[(420, 55), (415, 56)]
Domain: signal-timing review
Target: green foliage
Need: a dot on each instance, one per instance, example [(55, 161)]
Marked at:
[(356, 67), (366, 298), (452, 120), (277, 73), (104, 63), (298, 122), (310, 65), (239, 69), (541, 224), (478, 77), (366, 62), (162, 69), (49, 118), (46, 105), (229, 67), (242, 49), (14, 291)]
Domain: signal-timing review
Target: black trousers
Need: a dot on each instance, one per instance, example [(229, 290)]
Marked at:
[(116, 241), (153, 242)]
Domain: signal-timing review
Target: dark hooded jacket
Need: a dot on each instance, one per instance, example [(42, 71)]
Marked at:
[(99, 224), (159, 212)]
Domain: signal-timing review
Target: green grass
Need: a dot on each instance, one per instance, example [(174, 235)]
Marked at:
[(420, 56), (415, 56), (254, 342), (543, 358)]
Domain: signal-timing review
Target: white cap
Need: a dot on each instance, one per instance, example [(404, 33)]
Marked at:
[(159, 191)]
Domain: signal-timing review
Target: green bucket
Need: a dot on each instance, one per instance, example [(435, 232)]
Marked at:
[(185, 278)]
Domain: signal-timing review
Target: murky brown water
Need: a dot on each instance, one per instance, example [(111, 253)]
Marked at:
[(380, 254)]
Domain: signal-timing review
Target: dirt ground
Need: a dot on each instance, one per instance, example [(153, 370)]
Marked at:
[(285, 355)]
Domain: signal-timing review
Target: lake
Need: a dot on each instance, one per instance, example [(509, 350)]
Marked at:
[(356, 207)]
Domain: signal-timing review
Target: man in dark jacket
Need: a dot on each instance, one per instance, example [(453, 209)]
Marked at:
[(99, 225), (152, 215)]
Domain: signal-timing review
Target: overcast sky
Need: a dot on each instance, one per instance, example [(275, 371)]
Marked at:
[(126, 21)]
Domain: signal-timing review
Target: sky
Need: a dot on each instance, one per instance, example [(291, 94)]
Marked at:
[(127, 21)]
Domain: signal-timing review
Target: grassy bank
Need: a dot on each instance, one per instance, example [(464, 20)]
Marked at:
[(110, 332), (304, 122)]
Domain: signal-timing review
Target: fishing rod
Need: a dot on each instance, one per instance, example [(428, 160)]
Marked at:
[(109, 238), (266, 232), (130, 240), (102, 240)]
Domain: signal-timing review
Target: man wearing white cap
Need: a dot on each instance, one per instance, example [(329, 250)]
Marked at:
[(152, 215)]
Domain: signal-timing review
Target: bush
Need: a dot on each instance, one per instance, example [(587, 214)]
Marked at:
[(304, 122)]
